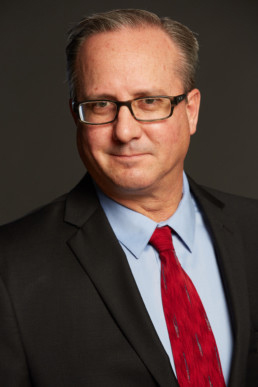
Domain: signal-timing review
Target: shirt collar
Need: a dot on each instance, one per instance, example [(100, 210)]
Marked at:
[(133, 230)]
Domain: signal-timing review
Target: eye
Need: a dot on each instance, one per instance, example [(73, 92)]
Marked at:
[(100, 104), (100, 107), (150, 103)]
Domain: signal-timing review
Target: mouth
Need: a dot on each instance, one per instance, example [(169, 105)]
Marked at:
[(128, 157), (128, 153)]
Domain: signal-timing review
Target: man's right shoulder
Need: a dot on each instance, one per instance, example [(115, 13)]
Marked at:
[(37, 221), (33, 234), (44, 221), (46, 230)]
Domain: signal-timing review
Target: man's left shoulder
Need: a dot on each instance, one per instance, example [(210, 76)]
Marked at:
[(237, 207), (239, 204)]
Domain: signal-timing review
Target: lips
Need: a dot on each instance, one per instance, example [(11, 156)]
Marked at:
[(128, 156), (128, 153)]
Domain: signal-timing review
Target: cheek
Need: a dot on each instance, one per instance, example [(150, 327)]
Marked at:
[(169, 138), (180, 134), (173, 142), (84, 144), (92, 143)]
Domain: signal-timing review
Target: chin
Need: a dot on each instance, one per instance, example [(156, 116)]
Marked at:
[(119, 182), (131, 185)]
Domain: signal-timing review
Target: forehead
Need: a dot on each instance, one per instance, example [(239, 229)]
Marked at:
[(129, 55)]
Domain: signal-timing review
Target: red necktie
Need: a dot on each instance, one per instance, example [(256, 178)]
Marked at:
[(193, 345)]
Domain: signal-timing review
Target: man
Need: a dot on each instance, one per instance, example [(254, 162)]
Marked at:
[(84, 289)]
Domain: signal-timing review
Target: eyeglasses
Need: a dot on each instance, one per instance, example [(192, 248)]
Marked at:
[(146, 109)]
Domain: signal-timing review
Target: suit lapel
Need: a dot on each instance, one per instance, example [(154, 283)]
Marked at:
[(102, 258), (230, 254)]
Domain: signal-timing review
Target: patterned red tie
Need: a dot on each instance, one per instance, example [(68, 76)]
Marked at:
[(193, 345)]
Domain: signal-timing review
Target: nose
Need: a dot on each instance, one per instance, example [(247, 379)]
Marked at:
[(126, 127)]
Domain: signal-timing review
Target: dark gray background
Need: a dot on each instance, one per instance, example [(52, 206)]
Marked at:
[(39, 159)]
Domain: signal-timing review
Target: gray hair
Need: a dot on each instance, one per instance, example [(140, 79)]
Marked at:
[(114, 20)]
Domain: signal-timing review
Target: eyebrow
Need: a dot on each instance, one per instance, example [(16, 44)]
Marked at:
[(138, 94)]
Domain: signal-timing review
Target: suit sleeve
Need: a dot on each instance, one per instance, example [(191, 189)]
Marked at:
[(13, 366)]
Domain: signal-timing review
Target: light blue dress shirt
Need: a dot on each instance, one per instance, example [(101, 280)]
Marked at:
[(195, 252)]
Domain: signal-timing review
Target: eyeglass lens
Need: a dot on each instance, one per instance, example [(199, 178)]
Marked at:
[(98, 112)]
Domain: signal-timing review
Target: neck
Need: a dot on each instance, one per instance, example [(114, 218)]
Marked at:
[(158, 206)]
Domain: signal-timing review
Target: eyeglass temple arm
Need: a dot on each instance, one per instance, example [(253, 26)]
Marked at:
[(178, 99), (75, 106)]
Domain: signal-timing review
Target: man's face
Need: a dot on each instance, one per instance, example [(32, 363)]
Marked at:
[(128, 158)]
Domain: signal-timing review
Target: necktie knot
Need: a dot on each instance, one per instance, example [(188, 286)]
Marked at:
[(161, 239)]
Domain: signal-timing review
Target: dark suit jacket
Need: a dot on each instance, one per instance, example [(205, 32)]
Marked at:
[(70, 311)]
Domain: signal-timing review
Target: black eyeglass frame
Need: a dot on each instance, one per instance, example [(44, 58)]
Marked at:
[(173, 100)]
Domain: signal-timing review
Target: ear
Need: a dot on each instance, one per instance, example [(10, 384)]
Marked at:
[(192, 109), (74, 115)]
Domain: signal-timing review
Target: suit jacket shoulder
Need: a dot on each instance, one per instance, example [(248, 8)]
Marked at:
[(67, 297), (233, 223), (70, 311), (237, 209)]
